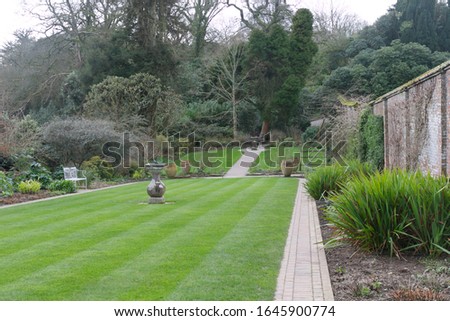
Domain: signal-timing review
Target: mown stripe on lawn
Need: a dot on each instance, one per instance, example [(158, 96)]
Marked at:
[(255, 244)]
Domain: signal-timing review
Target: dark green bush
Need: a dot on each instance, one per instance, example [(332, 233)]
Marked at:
[(97, 168), (6, 185), (37, 172), (310, 134), (394, 211), (63, 186)]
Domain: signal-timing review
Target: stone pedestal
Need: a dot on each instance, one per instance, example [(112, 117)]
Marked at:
[(156, 188), (156, 200)]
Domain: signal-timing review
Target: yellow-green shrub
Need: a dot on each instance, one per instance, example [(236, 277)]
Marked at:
[(29, 187)]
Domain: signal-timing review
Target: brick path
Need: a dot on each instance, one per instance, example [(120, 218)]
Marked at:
[(304, 271)]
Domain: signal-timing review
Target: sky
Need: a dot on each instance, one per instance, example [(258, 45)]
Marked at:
[(13, 16)]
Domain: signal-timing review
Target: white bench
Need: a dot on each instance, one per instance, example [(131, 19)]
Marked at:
[(75, 175)]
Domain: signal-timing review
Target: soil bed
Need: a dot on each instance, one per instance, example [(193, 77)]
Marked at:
[(360, 276), (21, 198)]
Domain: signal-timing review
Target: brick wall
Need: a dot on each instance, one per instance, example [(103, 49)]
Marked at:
[(417, 123), (446, 100)]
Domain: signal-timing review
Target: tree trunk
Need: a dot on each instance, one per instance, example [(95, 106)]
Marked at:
[(265, 128), (235, 120)]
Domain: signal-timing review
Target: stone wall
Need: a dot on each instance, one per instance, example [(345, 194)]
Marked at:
[(417, 123)]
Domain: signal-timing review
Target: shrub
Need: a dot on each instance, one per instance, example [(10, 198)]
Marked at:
[(63, 186), (39, 173), (139, 174), (29, 187), (76, 140), (6, 185), (325, 180), (98, 168), (394, 211), (310, 134)]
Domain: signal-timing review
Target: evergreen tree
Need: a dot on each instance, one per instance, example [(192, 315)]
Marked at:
[(418, 22), (279, 61), (303, 48), (443, 26)]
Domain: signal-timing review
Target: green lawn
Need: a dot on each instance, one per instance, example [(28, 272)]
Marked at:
[(217, 161), (217, 239), (269, 161)]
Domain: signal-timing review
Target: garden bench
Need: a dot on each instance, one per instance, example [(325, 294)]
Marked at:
[(74, 175)]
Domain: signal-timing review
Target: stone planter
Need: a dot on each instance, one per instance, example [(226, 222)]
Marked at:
[(171, 170), (287, 167), (185, 167), (156, 188)]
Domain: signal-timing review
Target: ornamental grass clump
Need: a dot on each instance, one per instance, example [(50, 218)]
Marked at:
[(325, 181), (394, 211)]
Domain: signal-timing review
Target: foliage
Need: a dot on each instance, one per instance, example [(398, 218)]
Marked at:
[(139, 174), (376, 72), (142, 95), (29, 187), (324, 181), (278, 62), (394, 211), (356, 168), (76, 140), (37, 172), (98, 168), (6, 185), (18, 136), (32, 73), (209, 119), (310, 134), (72, 95), (63, 186), (371, 139)]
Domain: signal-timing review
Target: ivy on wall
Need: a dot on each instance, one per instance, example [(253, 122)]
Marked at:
[(371, 139)]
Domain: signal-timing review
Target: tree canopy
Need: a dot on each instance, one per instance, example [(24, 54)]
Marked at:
[(166, 67)]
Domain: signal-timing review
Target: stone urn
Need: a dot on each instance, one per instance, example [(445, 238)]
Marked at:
[(171, 170), (185, 167), (156, 188), (287, 167)]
